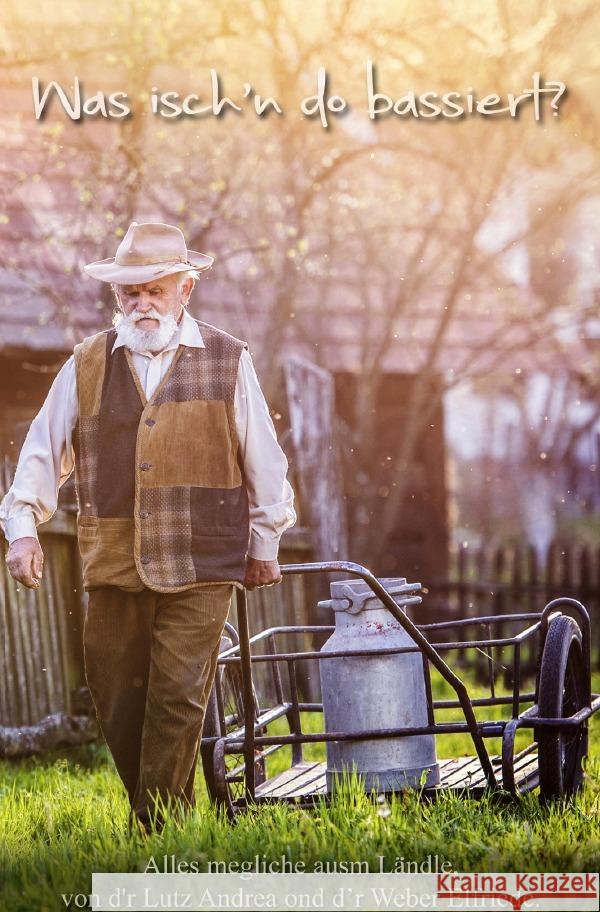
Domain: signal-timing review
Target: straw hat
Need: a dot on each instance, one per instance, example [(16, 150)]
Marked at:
[(149, 250)]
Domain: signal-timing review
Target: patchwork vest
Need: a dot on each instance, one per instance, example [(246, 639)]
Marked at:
[(160, 486)]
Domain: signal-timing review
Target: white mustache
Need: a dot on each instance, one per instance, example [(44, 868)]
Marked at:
[(136, 316)]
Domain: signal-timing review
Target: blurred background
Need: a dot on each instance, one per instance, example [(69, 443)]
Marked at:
[(420, 296)]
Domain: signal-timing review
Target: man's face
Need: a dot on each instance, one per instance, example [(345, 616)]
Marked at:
[(161, 295)]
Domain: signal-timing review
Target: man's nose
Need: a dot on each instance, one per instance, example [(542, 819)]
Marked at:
[(144, 305)]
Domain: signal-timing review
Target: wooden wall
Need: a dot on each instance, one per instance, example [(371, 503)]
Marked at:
[(25, 378), (418, 549)]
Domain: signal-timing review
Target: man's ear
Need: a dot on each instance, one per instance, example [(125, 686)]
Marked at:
[(118, 305), (186, 290)]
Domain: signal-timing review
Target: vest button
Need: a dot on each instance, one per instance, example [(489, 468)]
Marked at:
[(144, 514), (144, 466), (150, 422), (144, 560)]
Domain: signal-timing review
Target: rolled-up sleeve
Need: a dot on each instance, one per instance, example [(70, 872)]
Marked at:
[(45, 461), (270, 495)]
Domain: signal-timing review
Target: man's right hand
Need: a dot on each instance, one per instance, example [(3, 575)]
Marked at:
[(25, 560)]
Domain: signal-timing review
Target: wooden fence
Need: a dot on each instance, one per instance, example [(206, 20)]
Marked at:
[(502, 580), (41, 648)]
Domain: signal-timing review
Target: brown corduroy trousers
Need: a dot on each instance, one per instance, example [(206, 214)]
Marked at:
[(150, 661)]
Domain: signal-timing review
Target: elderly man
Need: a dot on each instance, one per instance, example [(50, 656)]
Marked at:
[(182, 495)]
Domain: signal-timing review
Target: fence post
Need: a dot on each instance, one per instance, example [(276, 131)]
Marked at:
[(462, 567), (482, 601), (499, 566), (516, 605), (551, 588), (533, 602)]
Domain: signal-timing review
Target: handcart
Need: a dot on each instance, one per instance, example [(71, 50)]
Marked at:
[(235, 754)]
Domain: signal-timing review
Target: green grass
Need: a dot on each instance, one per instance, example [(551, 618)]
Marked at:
[(65, 815)]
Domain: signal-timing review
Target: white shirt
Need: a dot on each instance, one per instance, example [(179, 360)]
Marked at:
[(47, 457)]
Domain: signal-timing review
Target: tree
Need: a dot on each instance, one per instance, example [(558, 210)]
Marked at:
[(419, 227)]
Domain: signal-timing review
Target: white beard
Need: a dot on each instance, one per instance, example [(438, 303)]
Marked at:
[(143, 340)]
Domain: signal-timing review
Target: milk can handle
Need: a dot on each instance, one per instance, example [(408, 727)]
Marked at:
[(356, 609), (328, 603), (405, 589)]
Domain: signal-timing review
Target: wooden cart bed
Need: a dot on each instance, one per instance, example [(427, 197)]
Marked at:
[(305, 781)]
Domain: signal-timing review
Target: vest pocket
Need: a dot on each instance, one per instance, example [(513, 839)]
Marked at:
[(106, 545)]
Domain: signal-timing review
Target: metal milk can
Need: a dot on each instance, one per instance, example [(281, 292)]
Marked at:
[(367, 692)]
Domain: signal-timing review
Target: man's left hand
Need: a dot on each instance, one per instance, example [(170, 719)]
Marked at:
[(261, 573)]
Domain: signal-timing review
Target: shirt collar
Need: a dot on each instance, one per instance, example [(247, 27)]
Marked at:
[(188, 333)]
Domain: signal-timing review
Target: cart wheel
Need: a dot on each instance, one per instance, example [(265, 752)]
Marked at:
[(561, 694), (230, 680), (210, 729)]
